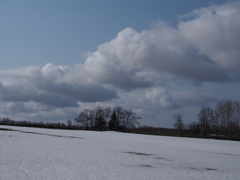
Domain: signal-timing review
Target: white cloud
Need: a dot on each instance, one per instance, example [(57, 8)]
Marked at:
[(204, 48), (160, 98), (215, 32)]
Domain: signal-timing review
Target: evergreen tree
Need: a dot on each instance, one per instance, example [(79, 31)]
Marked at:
[(113, 123)]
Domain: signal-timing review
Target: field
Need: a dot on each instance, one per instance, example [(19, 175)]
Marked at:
[(34, 153)]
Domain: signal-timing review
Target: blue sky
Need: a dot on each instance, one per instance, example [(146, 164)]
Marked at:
[(156, 57), (59, 31)]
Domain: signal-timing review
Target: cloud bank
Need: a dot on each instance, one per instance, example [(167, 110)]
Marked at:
[(52, 85), (204, 48)]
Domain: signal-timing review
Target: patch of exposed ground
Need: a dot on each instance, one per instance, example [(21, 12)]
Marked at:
[(54, 135), (145, 154), (5, 129), (208, 169), (162, 158), (138, 153), (145, 165)]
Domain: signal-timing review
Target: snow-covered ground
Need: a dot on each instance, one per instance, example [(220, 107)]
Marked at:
[(37, 154)]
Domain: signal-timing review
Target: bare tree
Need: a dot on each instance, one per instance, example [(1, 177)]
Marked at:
[(119, 110), (86, 118), (194, 129), (130, 119), (205, 118), (216, 123), (69, 123), (126, 118), (108, 112), (100, 118), (237, 120), (178, 122), (226, 111)]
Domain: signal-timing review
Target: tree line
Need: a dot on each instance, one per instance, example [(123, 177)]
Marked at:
[(57, 125), (98, 118), (223, 121), (101, 119)]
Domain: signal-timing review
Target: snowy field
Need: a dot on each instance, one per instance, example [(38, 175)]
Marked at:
[(45, 154)]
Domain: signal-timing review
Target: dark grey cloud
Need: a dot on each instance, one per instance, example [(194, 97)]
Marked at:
[(51, 85), (82, 92), (55, 100), (189, 65), (193, 98), (18, 107), (15, 94)]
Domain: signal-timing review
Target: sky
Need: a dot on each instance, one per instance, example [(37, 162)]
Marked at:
[(156, 57)]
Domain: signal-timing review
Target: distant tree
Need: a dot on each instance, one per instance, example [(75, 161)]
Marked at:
[(100, 121), (120, 119), (206, 118), (113, 123), (126, 117), (7, 121), (85, 118), (193, 129), (119, 111), (69, 123), (237, 120), (107, 114), (216, 123), (178, 122), (130, 119), (226, 112)]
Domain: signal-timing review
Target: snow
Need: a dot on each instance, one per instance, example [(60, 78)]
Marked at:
[(34, 153)]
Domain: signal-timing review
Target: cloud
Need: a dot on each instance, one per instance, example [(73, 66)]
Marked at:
[(160, 98), (52, 85), (193, 98), (204, 48), (36, 112), (215, 32), (106, 67)]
